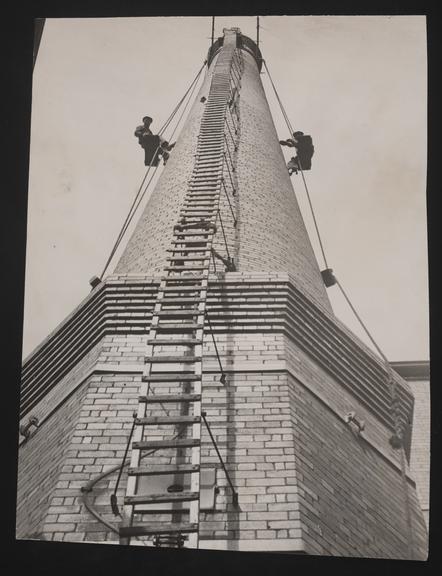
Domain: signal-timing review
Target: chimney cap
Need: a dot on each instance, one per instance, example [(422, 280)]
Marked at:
[(243, 42)]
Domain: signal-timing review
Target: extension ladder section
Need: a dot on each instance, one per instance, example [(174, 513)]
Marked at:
[(172, 378)]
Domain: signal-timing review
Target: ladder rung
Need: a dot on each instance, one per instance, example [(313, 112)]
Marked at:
[(197, 208), (182, 234), (171, 359), (157, 528), (193, 206), (208, 171), (200, 204), (196, 186), (174, 300), (156, 420), (184, 278), (208, 163), (170, 377), (182, 327), (168, 398), (210, 144), (198, 194), (160, 470), (186, 250), (202, 241), (186, 258), (208, 155), (182, 269), (187, 288), (178, 313), (193, 215), (206, 175), (215, 163), (214, 172), (159, 498), (180, 443), (175, 342), (192, 201)]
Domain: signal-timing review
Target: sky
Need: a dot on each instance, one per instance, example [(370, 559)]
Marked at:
[(357, 84)]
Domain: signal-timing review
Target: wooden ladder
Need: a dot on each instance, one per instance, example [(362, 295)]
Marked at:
[(175, 344)]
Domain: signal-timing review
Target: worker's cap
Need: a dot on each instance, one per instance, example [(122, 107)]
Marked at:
[(298, 134), (147, 118)]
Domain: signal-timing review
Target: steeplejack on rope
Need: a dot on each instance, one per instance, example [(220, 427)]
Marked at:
[(329, 279), (141, 192)]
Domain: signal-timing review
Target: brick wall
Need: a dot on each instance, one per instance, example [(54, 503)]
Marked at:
[(97, 445), (305, 483), (420, 444), (351, 498), (40, 462)]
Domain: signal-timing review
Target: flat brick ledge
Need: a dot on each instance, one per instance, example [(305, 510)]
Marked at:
[(239, 303)]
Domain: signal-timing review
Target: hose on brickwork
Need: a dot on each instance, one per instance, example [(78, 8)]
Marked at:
[(89, 487), (397, 440), (140, 194)]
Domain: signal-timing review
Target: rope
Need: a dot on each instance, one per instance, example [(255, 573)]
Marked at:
[(130, 215), (137, 200), (290, 128), (279, 101), (182, 99), (395, 403), (230, 205), (224, 234), (314, 217)]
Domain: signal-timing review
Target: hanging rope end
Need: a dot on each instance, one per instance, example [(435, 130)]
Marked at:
[(114, 505)]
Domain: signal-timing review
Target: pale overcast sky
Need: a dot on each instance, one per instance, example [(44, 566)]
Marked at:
[(356, 84)]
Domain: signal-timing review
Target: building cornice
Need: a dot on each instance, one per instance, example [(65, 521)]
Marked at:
[(237, 303)]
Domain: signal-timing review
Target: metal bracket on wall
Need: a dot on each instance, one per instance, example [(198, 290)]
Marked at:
[(350, 419)]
